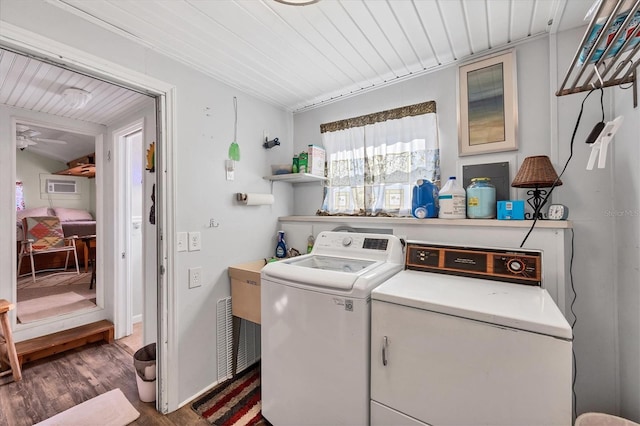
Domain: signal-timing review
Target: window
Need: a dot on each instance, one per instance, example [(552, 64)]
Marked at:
[(19, 196), (374, 161)]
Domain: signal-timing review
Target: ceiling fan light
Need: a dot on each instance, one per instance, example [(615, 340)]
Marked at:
[(76, 98)]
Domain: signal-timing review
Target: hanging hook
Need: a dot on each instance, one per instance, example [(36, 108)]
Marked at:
[(270, 143), (595, 68)]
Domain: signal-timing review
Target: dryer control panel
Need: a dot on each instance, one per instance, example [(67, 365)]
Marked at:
[(514, 266)]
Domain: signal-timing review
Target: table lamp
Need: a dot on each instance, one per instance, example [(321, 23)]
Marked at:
[(536, 172)]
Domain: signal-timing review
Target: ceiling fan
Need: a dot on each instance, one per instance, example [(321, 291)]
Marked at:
[(26, 137)]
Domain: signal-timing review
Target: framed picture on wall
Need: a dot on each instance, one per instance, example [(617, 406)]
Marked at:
[(488, 105)]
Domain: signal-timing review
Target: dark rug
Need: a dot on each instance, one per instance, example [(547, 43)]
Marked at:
[(235, 402)]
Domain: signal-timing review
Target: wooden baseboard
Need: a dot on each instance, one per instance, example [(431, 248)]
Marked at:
[(44, 346)]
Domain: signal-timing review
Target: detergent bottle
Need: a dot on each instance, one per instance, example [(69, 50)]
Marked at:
[(452, 200), (424, 202)]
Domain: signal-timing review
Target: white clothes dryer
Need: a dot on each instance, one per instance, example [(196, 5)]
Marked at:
[(467, 336)]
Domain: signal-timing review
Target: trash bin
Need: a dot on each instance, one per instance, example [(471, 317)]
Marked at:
[(602, 419), (144, 361)]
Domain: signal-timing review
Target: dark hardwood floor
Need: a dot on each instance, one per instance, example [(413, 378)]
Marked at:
[(54, 384)]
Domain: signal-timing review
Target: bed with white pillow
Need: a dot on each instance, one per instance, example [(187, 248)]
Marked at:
[(74, 221)]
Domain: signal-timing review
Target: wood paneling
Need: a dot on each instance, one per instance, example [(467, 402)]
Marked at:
[(299, 56), (35, 85)]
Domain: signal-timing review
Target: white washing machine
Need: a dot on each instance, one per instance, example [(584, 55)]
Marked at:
[(315, 329), (468, 336)]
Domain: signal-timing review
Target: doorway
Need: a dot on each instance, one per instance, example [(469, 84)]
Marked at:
[(131, 184), (159, 287)]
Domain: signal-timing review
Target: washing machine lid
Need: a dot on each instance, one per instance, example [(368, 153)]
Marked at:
[(522, 307), (329, 272), (332, 263), (348, 262)]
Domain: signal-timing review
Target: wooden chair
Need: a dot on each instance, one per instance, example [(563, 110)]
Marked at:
[(44, 234), (8, 354)]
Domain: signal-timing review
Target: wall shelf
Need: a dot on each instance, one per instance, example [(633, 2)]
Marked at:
[(435, 222), (83, 166), (606, 55), (295, 178)]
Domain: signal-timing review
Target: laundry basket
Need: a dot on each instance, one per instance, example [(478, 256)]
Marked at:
[(144, 361), (601, 419)]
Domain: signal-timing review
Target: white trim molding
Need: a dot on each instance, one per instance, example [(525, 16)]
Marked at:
[(27, 42)]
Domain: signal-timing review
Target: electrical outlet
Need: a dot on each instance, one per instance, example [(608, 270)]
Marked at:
[(195, 277), (194, 241), (182, 241)]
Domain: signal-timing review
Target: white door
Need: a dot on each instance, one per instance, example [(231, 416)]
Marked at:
[(128, 144), (446, 370)]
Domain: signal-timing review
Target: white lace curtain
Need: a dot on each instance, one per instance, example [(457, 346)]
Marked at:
[(372, 168), (19, 196)]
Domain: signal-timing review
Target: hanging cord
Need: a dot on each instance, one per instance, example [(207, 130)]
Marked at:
[(573, 324), (630, 84), (555, 182), (235, 123)]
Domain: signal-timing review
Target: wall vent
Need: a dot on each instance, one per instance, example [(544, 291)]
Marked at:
[(224, 338), (249, 347), (61, 186)]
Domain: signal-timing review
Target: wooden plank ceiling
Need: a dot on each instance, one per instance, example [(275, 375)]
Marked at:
[(38, 86), (298, 57)]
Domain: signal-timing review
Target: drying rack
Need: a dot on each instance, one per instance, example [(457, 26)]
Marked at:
[(609, 69)]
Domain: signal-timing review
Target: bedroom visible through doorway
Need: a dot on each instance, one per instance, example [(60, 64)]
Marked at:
[(56, 171)]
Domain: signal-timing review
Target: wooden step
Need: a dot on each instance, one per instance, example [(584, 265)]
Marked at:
[(51, 344)]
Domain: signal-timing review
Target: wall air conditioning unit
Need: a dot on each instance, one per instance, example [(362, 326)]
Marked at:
[(61, 186)]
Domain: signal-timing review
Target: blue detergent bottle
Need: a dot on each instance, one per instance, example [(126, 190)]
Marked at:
[(281, 247), (424, 202)]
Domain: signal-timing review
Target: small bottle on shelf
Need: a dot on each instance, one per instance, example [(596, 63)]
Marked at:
[(281, 247), (310, 242)]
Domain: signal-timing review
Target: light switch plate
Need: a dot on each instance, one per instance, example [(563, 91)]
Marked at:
[(194, 241), (182, 241), (229, 167)]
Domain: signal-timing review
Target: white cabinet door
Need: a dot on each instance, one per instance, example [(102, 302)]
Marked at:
[(446, 370)]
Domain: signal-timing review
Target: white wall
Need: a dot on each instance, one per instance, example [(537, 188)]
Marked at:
[(204, 128), (585, 193), (29, 167), (588, 194), (441, 86), (625, 214)]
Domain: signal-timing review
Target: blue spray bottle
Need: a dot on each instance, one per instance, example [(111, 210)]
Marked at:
[(281, 247)]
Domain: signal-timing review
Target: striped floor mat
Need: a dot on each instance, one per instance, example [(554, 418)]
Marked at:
[(235, 402)]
